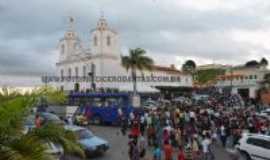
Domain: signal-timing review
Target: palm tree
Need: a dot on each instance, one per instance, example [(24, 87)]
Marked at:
[(136, 60), (17, 145)]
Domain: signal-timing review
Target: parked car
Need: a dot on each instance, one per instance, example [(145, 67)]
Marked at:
[(93, 145), (55, 150), (50, 118), (263, 116), (45, 118), (63, 111), (265, 112), (254, 146)]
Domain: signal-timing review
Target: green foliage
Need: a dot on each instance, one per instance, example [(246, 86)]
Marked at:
[(24, 148), (55, 133), (204, 76), (136, 60), (7, 93), (266, 82), (17, 145), (50, 95), (12, 114)]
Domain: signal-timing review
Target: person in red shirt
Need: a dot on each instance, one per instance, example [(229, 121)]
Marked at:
[(135, 130), (37, 121), (181, 154), (168, 151), (166, 136)]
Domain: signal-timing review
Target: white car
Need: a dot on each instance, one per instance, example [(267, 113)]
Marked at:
[(55, 150), (254, 146)]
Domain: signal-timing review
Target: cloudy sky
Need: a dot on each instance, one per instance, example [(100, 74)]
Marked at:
[(172, 31)]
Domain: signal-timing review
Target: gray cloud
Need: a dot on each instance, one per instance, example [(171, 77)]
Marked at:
[(30, 30)]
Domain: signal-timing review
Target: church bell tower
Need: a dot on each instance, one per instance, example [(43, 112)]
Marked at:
[(70, 44), (105, 41)]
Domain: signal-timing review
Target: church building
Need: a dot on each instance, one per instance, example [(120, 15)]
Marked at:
[(98, 65)]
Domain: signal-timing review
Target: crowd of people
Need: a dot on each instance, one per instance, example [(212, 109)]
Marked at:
[(180, 132)]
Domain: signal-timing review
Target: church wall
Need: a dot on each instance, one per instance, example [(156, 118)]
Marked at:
[(106, 43)]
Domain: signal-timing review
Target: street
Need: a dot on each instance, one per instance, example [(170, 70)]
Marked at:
[(119, 147)]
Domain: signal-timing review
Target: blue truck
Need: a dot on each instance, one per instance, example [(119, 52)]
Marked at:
[(103, 108)]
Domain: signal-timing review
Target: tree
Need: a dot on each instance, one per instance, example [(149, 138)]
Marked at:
[(136, 60), (50, 95), (252, 63), (266, 81), (264, 62), (17, 145), (204, 76), (189, 66)]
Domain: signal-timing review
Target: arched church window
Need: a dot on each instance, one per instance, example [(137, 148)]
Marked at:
[(69, 72), (95, 41), (76, 71), (84, 71), (93, 68), (108, 41), (62, 73), (62, 49)]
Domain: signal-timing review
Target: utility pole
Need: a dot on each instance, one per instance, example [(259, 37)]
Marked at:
[(231, 74)]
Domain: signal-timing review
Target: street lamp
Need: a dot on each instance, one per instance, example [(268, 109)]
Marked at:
[(92, 76), (231, 73)]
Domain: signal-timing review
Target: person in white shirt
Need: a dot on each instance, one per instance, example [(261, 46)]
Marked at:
[(223, 136), (120, 112), (131, 116), (192, 114), (206, 142)]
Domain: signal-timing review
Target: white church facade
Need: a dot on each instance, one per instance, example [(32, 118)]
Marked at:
[(102, 59)]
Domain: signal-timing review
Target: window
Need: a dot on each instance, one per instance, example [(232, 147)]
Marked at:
[(62, 73), (250, 77), (95, 41), (84, 71), (108, 41), (259, 142), (62, 49), (255, 76), (69, 72), (76, 71)]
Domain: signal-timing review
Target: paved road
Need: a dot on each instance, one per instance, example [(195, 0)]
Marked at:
[(118, 150)]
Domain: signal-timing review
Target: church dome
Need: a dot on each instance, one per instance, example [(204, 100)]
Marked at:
[(102, 24)]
